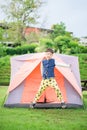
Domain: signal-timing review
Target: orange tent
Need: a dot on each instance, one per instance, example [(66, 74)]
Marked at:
[(26, 78)]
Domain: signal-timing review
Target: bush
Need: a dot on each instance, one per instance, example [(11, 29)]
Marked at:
[(43, 44), (22, 49), (83, 49), (2, 50), (10, 51), (5, 70), (30, 48)]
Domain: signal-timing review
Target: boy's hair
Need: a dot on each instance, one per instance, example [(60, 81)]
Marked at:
[(49, 50)]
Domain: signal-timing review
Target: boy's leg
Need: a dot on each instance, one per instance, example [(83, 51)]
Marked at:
[(41, 89), (44, 84), (37, 96), (57, 90)]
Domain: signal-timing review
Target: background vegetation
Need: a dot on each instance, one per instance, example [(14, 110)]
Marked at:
[(24, 14)]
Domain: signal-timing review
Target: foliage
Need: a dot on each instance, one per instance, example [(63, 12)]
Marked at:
[(32, 37), (66, 44), (64, 41), (43, 44), (82, 49), (21, 13), (1, 34), (60, 42), (2, 50), (22, 49), (25, 11), (82, 65), (4, 70), (58, 29)]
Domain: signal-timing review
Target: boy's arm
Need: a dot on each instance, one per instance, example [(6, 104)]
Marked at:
[(62, 64)]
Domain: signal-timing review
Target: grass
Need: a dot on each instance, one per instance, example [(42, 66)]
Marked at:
[(42, 119)]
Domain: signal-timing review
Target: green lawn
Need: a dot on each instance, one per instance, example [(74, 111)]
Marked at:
[(42, 119)]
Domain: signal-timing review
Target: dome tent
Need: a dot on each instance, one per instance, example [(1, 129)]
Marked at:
[(26, 78)]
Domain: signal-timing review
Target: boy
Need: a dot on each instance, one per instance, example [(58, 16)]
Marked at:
[(47, 71)]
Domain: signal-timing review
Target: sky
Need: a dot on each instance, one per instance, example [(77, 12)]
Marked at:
[(73, 13)]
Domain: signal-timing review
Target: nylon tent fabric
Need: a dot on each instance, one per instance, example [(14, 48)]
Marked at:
[(26, 78)]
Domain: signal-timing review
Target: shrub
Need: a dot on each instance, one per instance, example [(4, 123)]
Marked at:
[(83, 49), (22, 49), (10, 51), (2, 50), (5, 70)]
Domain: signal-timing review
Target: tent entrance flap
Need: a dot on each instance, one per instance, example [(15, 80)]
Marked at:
[(21, 75), (32, 85)]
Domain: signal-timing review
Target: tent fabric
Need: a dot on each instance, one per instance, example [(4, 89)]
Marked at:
[(67, 73), (26, 78), (24, 71), (35, 83)]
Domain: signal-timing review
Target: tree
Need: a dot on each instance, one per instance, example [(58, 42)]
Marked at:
[(61, 42), (22, 13), (1, 34), (58, 29), (66, 44), (44, 43), (64, 41)]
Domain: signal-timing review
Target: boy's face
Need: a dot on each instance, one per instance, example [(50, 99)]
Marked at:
[(48, 55)]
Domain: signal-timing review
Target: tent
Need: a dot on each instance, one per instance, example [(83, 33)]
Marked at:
[(26, 77)]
